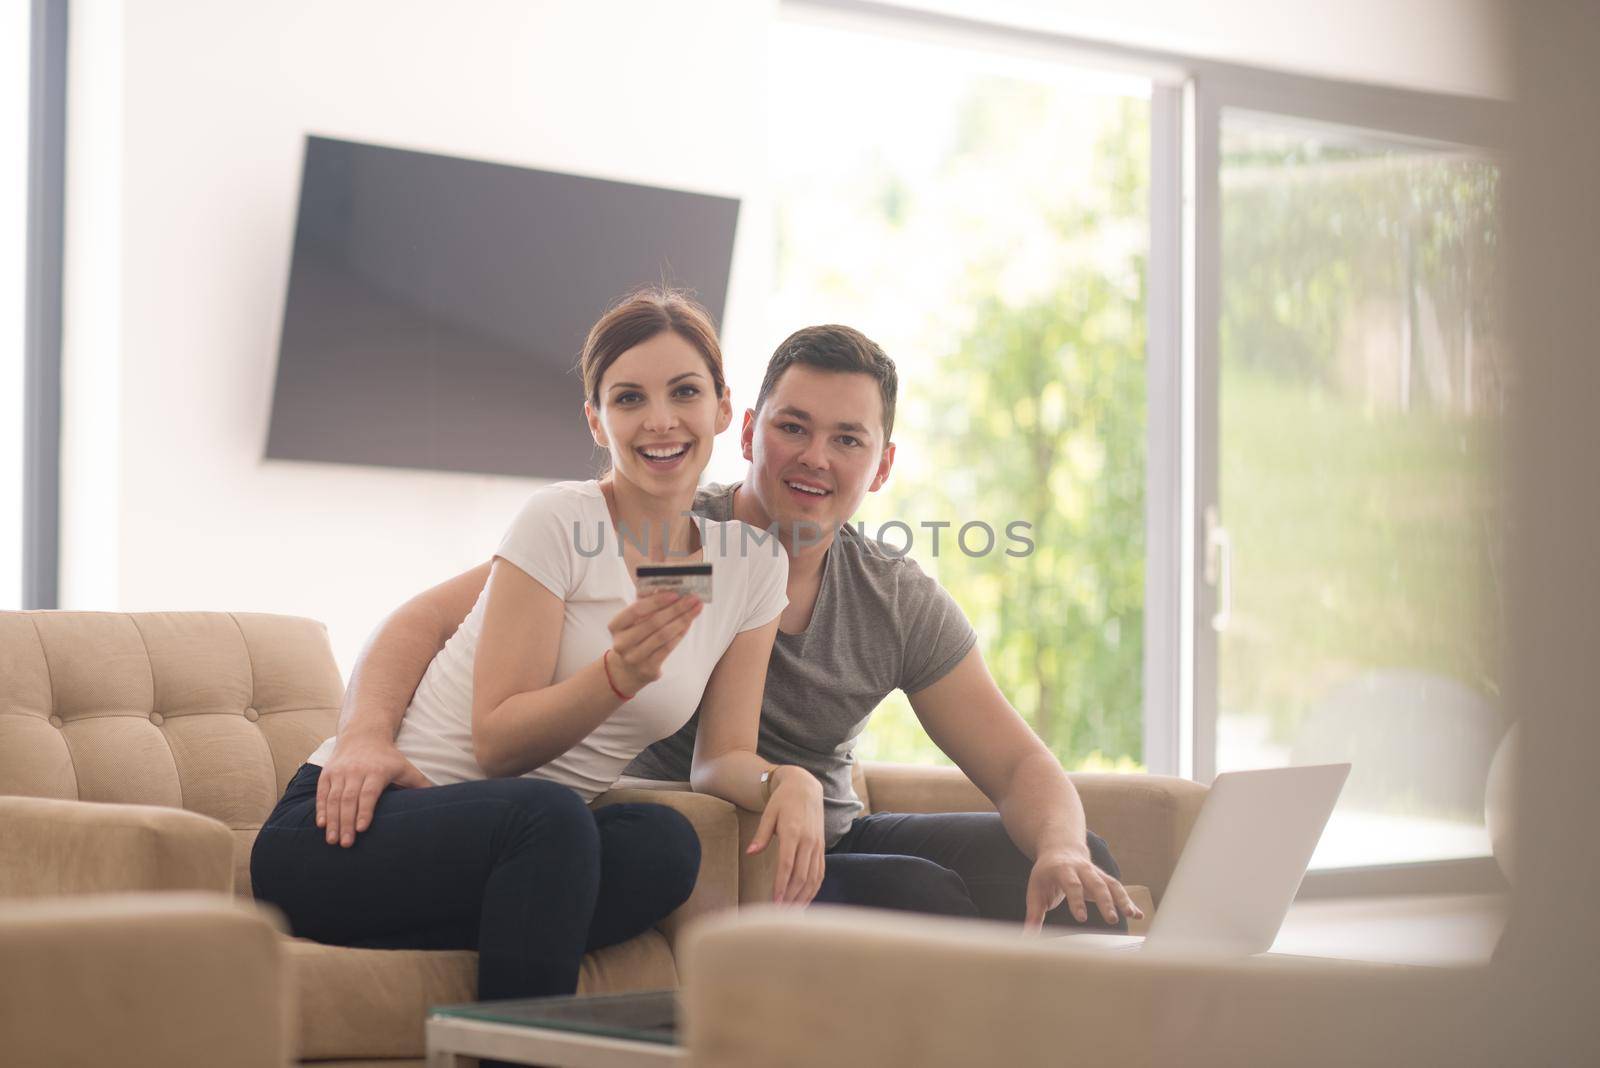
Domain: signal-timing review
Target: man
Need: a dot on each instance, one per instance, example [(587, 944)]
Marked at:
[(861, 622)]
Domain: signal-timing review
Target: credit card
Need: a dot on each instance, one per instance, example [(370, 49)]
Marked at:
[(682, 579)]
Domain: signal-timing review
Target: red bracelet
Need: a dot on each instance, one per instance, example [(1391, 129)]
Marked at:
[(605, 662)]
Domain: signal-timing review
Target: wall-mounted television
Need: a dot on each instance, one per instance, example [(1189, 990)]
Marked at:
[(437, 306)]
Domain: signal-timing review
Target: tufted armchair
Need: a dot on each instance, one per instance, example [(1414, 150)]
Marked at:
[(141, 753)]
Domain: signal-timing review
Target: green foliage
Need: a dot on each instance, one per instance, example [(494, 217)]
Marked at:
[(1050, 398), (1317, 236), (1362, 380), (1035, 415), (1364, 541)]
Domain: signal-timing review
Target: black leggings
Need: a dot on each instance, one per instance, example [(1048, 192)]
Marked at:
[(519, 869), (948, 863)]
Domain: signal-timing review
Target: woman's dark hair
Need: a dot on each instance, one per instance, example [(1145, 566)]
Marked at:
[(637, 318)]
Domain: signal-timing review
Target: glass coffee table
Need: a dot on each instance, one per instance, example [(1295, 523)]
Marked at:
[(602, 1031)]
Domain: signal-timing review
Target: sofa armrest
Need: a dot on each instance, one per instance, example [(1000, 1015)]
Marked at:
[(1145, 819), (757, 872), (714, 821), (752, 875), (866, 989), (171, 979), (50, 847)]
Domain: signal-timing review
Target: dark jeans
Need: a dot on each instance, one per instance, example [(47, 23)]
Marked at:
[(949, 863), (519, 869)]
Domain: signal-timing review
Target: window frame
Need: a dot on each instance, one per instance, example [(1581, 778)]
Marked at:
[(41, 448)]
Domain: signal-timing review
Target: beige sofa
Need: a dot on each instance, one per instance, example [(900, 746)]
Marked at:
[(163, 980), (182, 729), (869, 990)]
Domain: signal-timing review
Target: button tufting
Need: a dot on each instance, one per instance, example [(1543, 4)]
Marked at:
[(155, 717), (251, 714), (55, 721)]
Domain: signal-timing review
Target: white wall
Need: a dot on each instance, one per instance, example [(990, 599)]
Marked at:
[(91, 326), (183, 182), (186, 125)]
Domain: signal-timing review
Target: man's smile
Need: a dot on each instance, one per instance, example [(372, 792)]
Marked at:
[(808, 489)]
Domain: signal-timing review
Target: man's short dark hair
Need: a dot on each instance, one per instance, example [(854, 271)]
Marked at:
[(835, 348)]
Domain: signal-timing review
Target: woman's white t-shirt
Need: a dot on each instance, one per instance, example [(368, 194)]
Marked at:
[(564, 540)]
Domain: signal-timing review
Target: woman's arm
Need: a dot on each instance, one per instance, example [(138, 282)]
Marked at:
[(365, 760), (520, 718), (726, 764), (398, 652)]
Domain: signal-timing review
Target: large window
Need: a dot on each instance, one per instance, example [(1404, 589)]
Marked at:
[(1203, 337), (1362, 381), (984, 217)]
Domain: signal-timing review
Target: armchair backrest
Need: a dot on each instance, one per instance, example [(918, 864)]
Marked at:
[(206, 711)]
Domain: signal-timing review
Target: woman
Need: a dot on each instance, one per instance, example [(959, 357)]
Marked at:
[(555, 681)]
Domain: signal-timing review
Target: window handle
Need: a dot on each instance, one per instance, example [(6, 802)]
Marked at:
[(1219, 568)]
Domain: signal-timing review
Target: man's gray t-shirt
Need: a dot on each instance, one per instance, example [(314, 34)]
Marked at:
[(880, 624)]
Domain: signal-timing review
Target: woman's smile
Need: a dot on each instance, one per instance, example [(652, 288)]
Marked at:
[(664, 457)]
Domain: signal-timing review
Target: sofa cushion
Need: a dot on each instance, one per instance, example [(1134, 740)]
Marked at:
[(372, 1003)]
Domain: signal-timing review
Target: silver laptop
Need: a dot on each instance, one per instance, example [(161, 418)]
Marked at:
[(1241, 866)]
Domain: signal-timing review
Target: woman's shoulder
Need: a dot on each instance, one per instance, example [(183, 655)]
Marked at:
[(750, 570), (561, 500), (576, 493), (551, 521)]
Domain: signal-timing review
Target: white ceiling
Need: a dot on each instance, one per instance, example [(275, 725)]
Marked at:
[(1446, 46)]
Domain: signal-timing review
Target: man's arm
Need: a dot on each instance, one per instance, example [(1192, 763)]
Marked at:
[(384, 678), (726, 764), (970, 719)]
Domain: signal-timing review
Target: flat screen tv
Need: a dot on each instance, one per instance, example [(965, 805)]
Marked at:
[(436, 306)]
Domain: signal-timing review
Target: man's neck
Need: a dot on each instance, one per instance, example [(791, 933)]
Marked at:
[(805, 563)]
